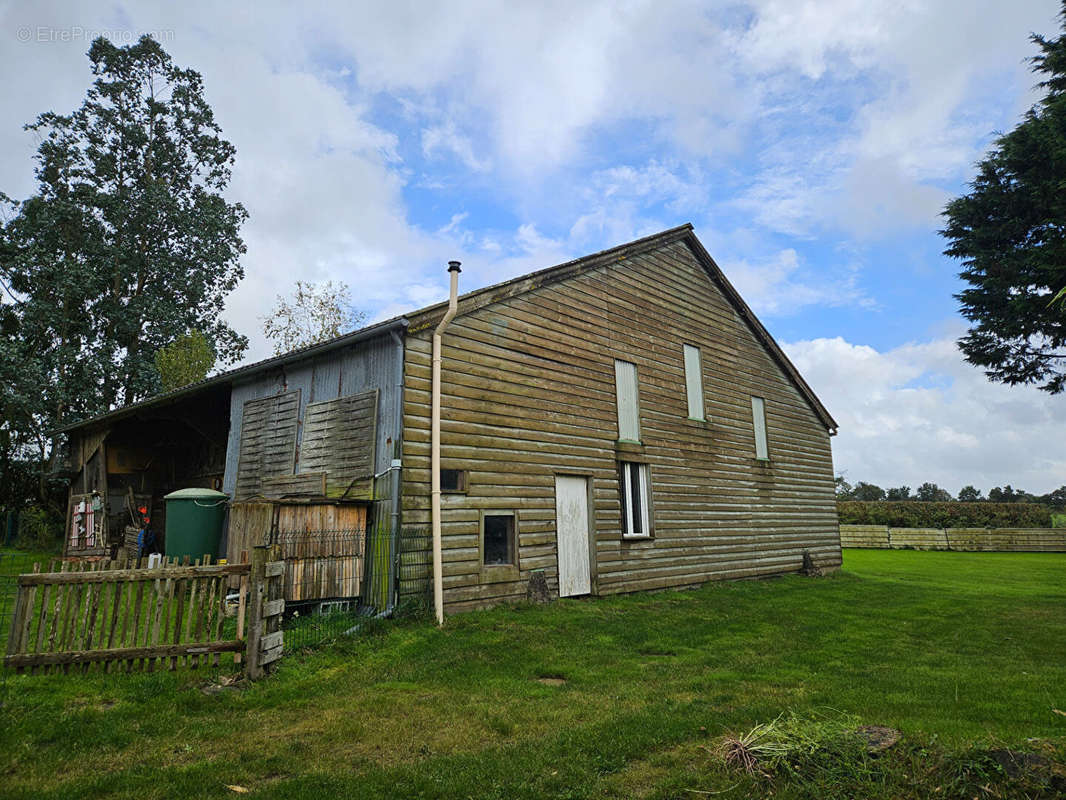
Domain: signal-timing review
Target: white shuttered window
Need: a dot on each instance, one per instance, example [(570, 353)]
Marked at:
[(758, 416), (694, 382), (636, 519), (625, 385)]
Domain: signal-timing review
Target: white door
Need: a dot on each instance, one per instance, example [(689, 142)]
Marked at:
[(572, 526)]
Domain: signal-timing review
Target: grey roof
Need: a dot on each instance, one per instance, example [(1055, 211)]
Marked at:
[(248, 370)]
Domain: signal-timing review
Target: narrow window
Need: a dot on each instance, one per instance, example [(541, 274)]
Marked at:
[(636, 521), (694, 382), (758, 416), (498, 539), (625, 384), (453, 481)]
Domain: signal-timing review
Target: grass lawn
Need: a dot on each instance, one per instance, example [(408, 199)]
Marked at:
[(959, 651)]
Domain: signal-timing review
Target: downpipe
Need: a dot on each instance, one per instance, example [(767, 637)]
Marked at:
[(434, 426)]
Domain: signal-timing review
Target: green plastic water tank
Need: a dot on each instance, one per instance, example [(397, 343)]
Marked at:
[(194, 522)]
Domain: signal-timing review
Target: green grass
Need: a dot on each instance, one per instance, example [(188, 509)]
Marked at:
[(961, 651)]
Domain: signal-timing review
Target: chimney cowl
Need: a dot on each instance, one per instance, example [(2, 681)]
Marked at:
[(453, 266)]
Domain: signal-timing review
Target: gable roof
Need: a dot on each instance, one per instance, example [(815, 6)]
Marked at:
[(479, 298)]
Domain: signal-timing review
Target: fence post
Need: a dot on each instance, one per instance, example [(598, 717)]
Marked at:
[(256, 597), (272, 641), (17, 614), (262, 623)]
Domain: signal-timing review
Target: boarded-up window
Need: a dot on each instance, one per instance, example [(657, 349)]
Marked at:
[(758, 416), (339, 438), (625, 384), (694, 382), (268, 440)]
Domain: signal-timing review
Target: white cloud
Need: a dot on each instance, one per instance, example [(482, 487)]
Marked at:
[(901, 98), (781, 285), (919, 413), (445, 138)]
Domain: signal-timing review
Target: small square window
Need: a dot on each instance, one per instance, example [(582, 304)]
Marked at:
[(498, 539), (636, 515), (453, 481)]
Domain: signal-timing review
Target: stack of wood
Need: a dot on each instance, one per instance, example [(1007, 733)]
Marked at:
[(129, 541)]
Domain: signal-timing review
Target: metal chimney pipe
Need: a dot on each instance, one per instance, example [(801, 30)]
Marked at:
[(438, 566)]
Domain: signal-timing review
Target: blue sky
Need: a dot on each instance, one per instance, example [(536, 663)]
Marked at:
[(812, 145)]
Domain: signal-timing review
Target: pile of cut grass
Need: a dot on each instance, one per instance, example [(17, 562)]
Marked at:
[(829, 755)]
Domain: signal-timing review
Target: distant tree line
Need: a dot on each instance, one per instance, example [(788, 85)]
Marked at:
[(932, 493), (947, 514)]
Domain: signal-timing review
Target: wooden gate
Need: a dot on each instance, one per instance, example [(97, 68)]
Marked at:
[(147, 618)]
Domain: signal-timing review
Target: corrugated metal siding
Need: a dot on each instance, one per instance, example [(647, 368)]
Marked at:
[(373, 364)]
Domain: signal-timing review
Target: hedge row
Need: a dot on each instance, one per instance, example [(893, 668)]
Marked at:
[(944, 515)]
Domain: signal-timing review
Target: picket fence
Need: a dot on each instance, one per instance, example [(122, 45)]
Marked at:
[(160, 617)]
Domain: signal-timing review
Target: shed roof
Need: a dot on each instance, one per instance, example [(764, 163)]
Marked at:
[(480, 298)]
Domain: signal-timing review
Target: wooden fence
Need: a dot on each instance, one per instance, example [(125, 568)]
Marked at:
[(323, 544), (162, 617), (1050, 540)]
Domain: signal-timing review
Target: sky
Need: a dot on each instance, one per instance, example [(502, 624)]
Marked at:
[(812, 144)]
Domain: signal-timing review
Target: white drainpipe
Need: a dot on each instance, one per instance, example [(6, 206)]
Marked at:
[(434, 446)]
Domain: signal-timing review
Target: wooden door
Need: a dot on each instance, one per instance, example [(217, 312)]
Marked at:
[(572, 530)]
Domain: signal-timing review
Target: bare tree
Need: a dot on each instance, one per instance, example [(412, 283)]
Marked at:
[(314, 313)]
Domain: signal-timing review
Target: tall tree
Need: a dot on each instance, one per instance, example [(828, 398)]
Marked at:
[(184, 361), (900, 493), (1056, 497), (315, 313), (867, 491), (929, 492), (1010, 233), (843, 488), (1005, 494), (127, 243), (969, 494)]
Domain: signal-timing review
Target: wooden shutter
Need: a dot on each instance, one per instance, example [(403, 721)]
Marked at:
[(625, 384), (268, 441), (694, 382), (340, 438), (758, 416)]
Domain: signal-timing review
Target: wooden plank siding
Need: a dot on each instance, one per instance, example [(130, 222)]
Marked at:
[(528, 391)]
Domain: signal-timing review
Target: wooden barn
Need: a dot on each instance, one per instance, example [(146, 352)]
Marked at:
[(617, 423)]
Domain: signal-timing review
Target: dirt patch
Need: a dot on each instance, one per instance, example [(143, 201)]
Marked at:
[(224, 685), (877, 737), (552, 680), (1017, 765)]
